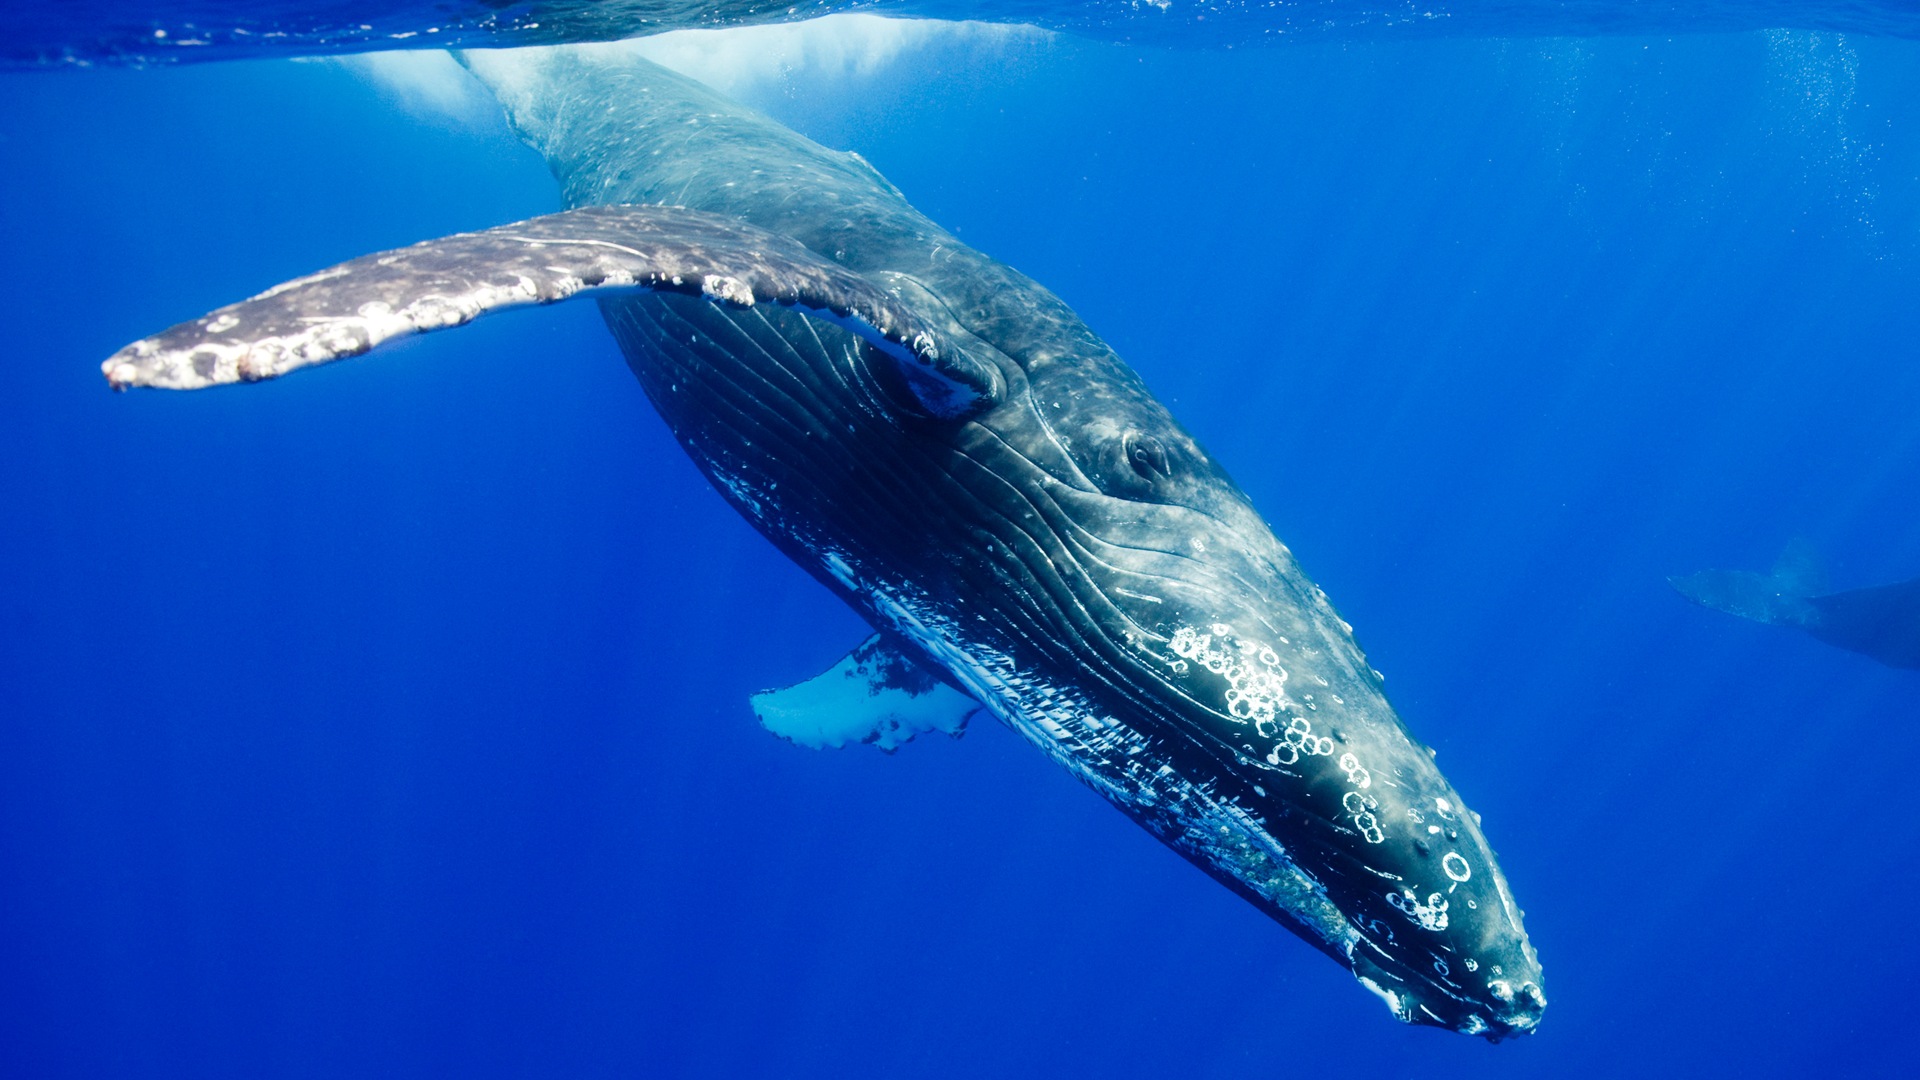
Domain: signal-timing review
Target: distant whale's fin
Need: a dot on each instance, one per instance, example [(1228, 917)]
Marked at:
[(346, 310), (1777, 599), (1882, 622), (875, 694)]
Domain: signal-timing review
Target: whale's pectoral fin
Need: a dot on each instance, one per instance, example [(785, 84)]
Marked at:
[(875, 694), (345, 310)]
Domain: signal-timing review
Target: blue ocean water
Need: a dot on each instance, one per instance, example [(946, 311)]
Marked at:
[(390, 720)]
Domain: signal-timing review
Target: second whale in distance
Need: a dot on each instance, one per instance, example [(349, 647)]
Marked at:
[(945, 445), (1880, 621)]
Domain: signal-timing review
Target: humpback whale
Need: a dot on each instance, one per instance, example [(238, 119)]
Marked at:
[(946, 446), (1882, 621)]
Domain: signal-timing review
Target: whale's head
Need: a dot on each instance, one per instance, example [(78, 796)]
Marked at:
[(1296, 784), (1070, 557), (1224, 705)]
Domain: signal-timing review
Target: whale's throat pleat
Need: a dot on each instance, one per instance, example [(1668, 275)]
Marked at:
[(788, 420)]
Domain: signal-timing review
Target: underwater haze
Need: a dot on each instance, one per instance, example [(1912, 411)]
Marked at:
[(392, 720)]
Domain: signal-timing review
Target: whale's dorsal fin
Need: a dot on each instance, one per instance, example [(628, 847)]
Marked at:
[(875, 694), (346, 310)]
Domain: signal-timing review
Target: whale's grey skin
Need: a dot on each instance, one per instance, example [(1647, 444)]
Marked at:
[(57, 32), (1041, 534), (1882, 621)]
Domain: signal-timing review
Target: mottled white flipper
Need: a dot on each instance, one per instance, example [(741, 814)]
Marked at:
[(873, 695), (345, 310)]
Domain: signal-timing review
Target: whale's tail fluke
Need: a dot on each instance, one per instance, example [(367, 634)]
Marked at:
[(1780, 598)]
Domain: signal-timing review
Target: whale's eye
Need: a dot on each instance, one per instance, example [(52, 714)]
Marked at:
[(1148, 456), (1131, 463)]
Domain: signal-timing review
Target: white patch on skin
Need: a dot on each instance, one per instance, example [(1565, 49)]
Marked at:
[(1360, 808), (1392, 999), (1430, 915), (1256, 683), (744, 493), (323, 340), (1506, 902), (727, 288), (1359, 805)]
